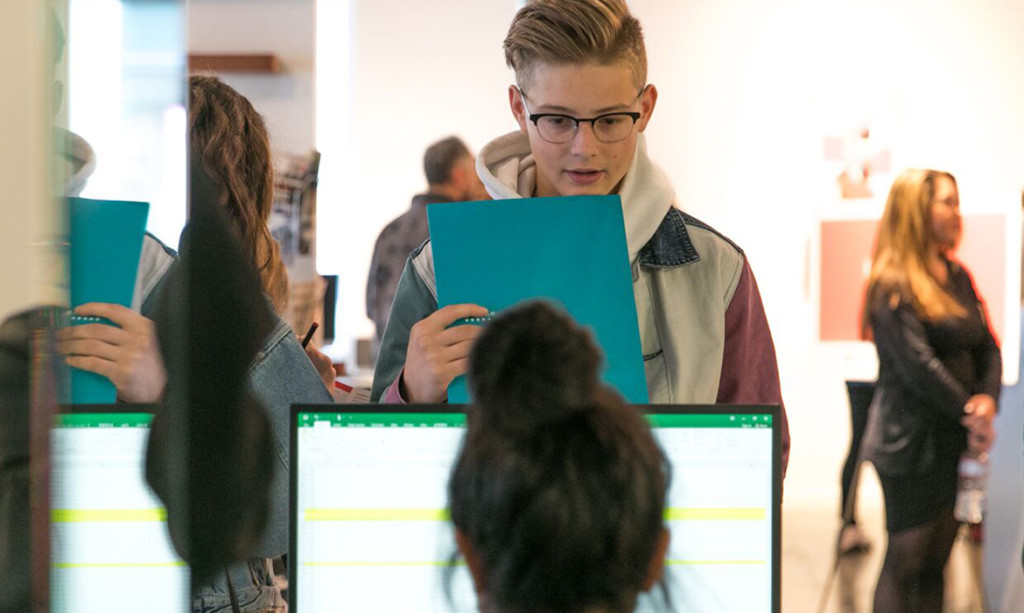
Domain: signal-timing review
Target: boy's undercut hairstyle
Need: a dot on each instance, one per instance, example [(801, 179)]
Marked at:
[(441, 157), (575, 32)]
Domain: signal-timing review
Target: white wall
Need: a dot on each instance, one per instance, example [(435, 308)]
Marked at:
[(419, 71), (125, 97), (749, 91), (286, 28)]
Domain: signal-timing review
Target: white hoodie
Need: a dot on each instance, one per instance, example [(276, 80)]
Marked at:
[(77, 158)]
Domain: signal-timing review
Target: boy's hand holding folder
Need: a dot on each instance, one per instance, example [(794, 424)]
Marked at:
[(127, 353)]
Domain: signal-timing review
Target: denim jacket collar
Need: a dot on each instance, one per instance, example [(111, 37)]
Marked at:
[(670, 246)]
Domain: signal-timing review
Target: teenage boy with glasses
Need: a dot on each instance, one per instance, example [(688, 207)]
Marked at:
[(579, 65)]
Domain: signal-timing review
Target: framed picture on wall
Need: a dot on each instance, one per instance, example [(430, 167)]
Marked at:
[(990, 249)]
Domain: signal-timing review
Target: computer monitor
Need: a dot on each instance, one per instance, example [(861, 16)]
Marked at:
[(110, 549), (723, 506), (370, 529)]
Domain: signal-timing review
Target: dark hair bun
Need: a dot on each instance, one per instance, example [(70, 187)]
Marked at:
[(532, 366), (559, 486)]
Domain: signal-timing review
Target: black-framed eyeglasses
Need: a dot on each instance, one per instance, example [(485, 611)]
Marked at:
[(557, 128)]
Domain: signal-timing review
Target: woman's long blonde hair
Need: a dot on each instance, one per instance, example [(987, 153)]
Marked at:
[(899, 267), (231, 139)]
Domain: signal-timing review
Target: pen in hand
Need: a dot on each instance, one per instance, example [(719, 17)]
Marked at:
[(309, 335)]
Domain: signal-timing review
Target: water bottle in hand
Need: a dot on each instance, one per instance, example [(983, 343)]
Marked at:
[(970, 495)]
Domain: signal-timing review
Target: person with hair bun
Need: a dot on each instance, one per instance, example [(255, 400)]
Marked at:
[(558, 493)]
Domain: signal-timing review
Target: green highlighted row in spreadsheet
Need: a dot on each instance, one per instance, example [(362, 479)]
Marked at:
[(159, 514), (460, 562), (716, 513), (67, 516), (382, 563), (176, 564)]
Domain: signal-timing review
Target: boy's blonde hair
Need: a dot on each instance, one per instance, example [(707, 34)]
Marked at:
[(575, 32)]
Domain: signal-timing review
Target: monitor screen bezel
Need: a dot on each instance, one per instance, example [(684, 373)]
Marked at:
[(775, 411), (96, 409)]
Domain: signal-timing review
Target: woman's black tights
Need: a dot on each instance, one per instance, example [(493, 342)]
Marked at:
[(912, 574)]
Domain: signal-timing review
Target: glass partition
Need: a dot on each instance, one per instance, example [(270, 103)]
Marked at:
[(126, 76), (121, 142)]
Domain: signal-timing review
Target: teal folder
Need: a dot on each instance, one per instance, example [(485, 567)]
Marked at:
[(106, 242), (569, 250)]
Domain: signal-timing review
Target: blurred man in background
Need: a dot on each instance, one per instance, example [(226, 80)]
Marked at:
[(451, 177)]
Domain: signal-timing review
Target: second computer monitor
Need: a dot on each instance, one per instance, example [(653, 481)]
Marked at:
[(370, 529)]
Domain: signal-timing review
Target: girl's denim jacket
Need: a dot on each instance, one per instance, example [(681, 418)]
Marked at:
[(280, 375)]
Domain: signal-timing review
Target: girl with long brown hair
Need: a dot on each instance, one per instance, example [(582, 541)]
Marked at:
[(229, 138), (938, 383)]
